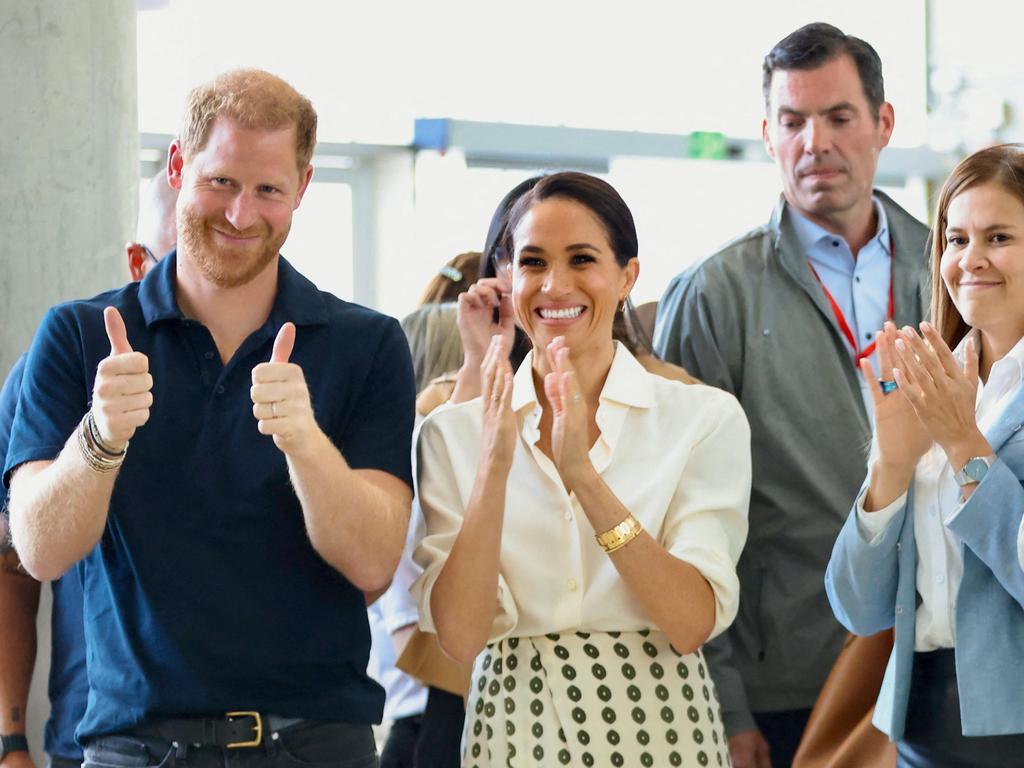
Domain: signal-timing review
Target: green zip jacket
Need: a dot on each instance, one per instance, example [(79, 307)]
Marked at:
[(753, 320)]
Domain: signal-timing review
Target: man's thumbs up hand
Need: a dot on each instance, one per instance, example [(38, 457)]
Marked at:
[(122, 393), (280, 398), (116, 332), (283, 344)]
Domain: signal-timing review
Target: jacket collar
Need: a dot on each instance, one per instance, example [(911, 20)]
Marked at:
[(910, 272)]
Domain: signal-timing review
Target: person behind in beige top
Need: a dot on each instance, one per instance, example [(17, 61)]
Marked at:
[(584, 522)]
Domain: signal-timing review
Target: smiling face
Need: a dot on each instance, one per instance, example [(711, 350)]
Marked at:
[(237, 197), (982, 265), (565, 278), (822, 135)]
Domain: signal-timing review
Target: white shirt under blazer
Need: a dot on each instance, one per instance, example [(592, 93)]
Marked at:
[(676, 455), (874, 578)]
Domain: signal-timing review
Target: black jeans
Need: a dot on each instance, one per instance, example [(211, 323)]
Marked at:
[(400, 748), (933, 737), (440, 741), (306, 745)]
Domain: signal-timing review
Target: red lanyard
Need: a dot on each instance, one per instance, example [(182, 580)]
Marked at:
[(859, 354)]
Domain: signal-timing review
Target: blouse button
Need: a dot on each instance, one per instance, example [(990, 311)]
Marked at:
[(571, 584), (568, 514), (899, 610)]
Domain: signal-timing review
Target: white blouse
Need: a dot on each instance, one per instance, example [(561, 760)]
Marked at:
[(677, 456), (940, 564)]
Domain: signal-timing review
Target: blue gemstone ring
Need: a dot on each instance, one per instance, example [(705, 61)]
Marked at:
[(887, 386)]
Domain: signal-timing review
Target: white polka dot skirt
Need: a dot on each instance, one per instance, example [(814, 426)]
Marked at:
[(592, 699)]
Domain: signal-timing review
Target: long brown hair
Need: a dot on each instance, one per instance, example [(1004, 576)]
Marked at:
[(452, 279), (1002, 164)]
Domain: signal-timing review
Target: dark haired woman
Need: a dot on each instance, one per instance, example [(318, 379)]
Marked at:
[(931, 544), (584, 517)]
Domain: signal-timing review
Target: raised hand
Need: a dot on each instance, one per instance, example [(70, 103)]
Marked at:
[(942, 393), (570, 430), (498, 440), (475, 318), (280, 398), (122, 392), (900, 437)]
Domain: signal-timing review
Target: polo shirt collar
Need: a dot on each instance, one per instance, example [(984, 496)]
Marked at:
[(156, 291), (297, 299), (628, 383)]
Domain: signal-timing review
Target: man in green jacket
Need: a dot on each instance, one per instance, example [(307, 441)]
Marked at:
[(780, 317)]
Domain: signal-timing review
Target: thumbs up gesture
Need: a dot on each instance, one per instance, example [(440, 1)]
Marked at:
[(280, 398), (122, 393)]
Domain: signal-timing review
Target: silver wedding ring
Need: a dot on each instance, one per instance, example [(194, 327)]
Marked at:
[(577, 399), (273, 409)]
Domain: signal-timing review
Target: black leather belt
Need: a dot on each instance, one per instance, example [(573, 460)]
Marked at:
[(233, 731)]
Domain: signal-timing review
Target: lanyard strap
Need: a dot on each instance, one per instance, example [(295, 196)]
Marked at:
[(859, 354)]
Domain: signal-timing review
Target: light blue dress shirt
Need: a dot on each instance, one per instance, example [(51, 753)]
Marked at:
[(860, 286)]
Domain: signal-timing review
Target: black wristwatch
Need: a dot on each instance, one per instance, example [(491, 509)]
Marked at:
[(14, 742)]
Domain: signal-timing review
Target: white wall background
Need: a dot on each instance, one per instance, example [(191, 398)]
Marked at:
[(372, 68)]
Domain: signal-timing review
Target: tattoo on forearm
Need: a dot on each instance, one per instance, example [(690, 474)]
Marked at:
[(16, 715)]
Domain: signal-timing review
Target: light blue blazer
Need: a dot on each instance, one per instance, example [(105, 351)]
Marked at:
[(873, 586)]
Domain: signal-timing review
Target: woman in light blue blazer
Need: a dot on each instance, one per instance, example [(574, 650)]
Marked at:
[(931, 544)]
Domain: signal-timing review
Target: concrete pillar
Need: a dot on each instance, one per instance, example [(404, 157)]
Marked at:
[(68, 156), (69, 163)]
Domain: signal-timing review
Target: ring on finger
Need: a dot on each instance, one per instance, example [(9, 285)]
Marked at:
[(577, 398), (888, 386), (273, 409)]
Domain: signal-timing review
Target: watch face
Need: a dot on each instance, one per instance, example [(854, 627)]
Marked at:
[(976, 469)]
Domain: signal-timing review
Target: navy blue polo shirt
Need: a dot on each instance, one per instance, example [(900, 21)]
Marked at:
[(204, 594), (69, 685)]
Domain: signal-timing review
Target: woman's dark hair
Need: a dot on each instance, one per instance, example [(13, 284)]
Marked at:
[(814, 45), (607, 205), (494, 245)]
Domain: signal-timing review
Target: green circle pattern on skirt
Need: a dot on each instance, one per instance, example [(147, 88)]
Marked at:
[(592, 699)]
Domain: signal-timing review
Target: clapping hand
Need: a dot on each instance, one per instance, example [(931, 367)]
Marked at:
[(280, 398), (122, 393), (900, 437), (942, 393), (570, 431), (499, 423)]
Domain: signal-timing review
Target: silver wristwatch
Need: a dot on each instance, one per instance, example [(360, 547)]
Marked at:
[(974, 470)]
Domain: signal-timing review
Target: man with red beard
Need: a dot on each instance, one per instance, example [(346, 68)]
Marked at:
[(267, 485)]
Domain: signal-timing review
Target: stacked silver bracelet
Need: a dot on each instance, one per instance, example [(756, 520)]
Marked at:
[(94, 451)]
